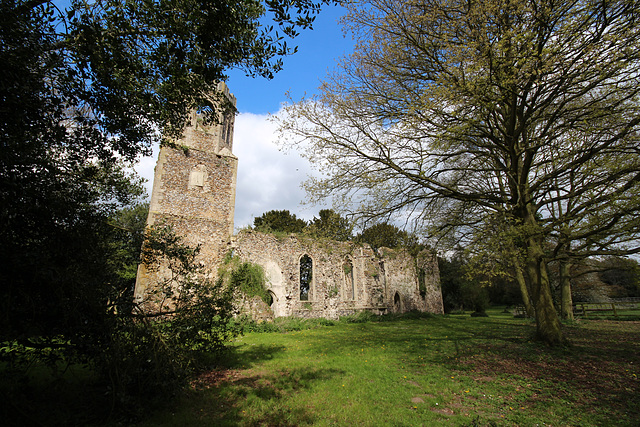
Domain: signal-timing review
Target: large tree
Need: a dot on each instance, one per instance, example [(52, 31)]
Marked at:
[(386, 235), (83, 91), (464, 113)]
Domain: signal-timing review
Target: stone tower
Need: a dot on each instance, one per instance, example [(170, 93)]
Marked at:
[(194, 190)]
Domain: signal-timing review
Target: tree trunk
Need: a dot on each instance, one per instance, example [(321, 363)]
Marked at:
[(566, 307), (522, 284), (547, 321)]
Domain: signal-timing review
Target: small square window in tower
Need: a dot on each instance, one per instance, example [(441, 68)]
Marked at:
[(198, 177)]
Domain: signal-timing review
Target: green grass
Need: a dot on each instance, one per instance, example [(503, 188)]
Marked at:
[(412, 371)]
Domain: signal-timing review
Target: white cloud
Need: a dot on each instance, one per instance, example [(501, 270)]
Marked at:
[(267, 178), (145, 168)]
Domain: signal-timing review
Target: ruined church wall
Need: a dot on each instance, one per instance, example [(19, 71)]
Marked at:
[(194, 193), (428, 263), (377, 280), (402, 273)]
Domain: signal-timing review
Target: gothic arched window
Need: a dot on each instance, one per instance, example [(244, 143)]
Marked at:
[(349, 286), (306, 275)]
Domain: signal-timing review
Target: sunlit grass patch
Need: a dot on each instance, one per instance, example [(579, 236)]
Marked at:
[(438, 370)]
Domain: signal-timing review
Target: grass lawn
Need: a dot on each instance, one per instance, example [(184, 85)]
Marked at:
[(441, 370)]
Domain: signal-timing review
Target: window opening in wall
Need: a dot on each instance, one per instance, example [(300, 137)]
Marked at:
[(349, 286), (271, 299), (306, 274), (422, 286), (384, 276), (227, 131), (396, 303)]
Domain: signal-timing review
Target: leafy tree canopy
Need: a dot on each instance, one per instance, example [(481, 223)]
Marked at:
[(386, 235), (283, 221), (459, 113), (127, 69), (330, 225)]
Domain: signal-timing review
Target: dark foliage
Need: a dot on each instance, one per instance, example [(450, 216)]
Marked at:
[(330, 225), (388, 236), (622, 275), (279, 221), (459, 291)]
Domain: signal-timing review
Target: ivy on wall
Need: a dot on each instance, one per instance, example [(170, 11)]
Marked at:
[(246, 277)]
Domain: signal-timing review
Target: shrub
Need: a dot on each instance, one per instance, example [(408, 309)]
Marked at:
[(245, 277), (153, 345), (281, 324)]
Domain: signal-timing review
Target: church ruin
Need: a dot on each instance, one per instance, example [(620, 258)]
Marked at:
[(194, 191)]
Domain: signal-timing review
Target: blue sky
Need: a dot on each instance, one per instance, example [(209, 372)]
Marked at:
[(318, 51), (268, 178)]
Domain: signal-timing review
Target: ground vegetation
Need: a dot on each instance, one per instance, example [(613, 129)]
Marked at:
[(419, 369)]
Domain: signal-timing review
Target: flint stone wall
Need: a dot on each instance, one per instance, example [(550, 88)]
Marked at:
[(383, 282), (194, 191)]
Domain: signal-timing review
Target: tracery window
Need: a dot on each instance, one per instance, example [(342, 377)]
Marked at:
[(349, 286), (306, 275)]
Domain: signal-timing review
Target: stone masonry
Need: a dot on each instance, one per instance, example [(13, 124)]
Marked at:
[(194, 192), (346, 277)]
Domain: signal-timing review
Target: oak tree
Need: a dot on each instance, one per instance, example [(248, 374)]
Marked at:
[(329, 224), (386, 235), (282, 221), (458, 113)]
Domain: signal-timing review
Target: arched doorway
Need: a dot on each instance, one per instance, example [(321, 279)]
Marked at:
[(397, 303)]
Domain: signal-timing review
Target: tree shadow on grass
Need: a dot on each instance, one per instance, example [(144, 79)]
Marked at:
[(596, 374), (454, 336), (232, 392), (245, 356), (257, 398)]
